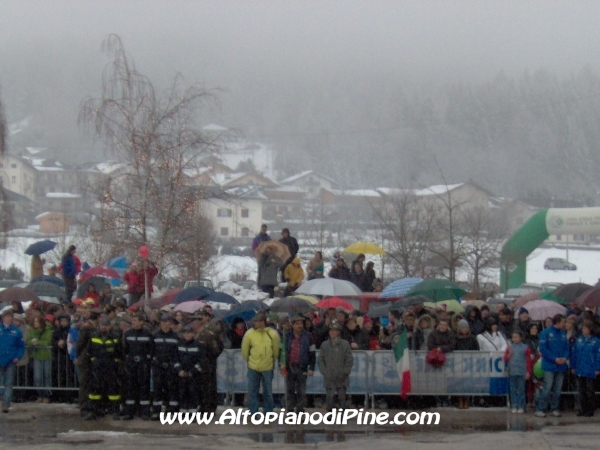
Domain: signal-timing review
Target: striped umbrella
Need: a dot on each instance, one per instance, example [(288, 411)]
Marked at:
[(399, 287)]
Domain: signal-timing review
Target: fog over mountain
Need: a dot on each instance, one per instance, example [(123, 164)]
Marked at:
[(373, 93)]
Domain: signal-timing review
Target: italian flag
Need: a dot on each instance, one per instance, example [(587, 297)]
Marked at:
[(402, 364)]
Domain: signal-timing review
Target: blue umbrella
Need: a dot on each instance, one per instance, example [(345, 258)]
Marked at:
[(399, 287), (246, 311), (49, 279), (119, 263), (39, 247), (192, 293), (221, 297)]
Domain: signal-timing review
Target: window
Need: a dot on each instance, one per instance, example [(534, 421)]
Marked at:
[(224, 231), (14, 180), (245, 232), (224, 212), (245, 213)]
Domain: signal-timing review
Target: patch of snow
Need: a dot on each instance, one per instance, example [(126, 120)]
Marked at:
[(62, 195), (437, 189)]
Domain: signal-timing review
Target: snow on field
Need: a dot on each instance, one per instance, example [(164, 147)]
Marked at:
[(587, 262), (221, 268)]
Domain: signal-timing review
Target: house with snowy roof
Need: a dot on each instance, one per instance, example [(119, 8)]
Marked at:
[(311, 181)]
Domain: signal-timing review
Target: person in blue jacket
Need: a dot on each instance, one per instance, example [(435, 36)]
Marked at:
[(69, 272), (585, 363), (554, 347), (12, 349)]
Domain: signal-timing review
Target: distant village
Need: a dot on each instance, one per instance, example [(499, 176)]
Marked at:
[(47, 196)]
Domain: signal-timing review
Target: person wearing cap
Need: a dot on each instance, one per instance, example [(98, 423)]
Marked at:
[(138, 350), (88, 328), (12, 349), (261, 237), (211, 343), (335, 364), (39, 340), (260, 349), (523, 320), (198, 321), (339, 271), (61, 362), (188, 368), (165, 356), (292, 244), (104, 353), (297, 362)]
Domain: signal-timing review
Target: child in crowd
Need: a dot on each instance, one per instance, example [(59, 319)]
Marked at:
[(518, 359)]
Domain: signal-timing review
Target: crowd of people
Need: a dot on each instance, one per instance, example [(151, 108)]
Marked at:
[(115, 353)]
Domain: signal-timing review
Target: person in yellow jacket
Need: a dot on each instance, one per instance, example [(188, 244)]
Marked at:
[(260, 349), (294, 274)]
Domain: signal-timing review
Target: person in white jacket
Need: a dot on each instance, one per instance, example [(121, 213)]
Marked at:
[(491, 340)]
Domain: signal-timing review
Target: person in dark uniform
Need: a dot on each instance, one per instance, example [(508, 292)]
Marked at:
[(82, 360), (163, 361), (211, 343), (62, 365), (188, 368), (138, 351), (104, 352)]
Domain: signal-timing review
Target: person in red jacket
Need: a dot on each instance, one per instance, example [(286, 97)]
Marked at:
[(93, 294), (132, 278), (146, 275)]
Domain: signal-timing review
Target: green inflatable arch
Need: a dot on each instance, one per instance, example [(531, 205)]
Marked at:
[(513, 259)]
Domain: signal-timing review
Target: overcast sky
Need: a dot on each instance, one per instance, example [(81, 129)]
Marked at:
[(52, 47)]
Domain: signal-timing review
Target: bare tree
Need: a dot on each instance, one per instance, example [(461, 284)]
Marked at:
[(485, 234), (155, 138), (408, 230)]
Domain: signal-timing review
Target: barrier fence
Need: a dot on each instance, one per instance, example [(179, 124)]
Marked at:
[(373, 373)]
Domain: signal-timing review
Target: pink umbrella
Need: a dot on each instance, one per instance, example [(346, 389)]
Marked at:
[(100, 271), (540, 309), (190, 307)]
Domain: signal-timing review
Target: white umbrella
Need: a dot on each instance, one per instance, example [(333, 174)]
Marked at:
[(329, 287)]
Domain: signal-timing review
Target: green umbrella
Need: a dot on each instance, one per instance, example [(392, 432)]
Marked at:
[(549, 295), (437, 290)]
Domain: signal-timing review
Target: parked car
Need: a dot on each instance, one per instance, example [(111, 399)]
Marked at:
[(246, 284), (201, 282), (532, 286), (559, 264)]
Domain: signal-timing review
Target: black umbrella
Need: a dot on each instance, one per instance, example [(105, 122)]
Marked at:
[(50, 279), (96, 281), (37, 248), (571, 291), (193, 293), (45, 289), (381, 309), (292, 305), (221, 297), (415, 300), (17, 294)]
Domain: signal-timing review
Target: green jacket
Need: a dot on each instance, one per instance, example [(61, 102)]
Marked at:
[(41, 350)]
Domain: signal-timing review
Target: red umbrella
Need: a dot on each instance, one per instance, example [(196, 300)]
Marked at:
[(100, 271), (589, 299), (334, 302), (159, 302)]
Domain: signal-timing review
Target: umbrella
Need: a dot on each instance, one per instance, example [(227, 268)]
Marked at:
[(53, 300), (540, 309), (550, 295), (478, 303), (246, 311), (279, 249), (190, 307), (437, 289), (366, 248), (328, 286), (334, 302), (119, 263), (399, 287), (291, 305), (309, 298), (448, 305), (17, 294), (221, 297), (39, 247), (518, 302), (381, 309), (571, 291), (99, 271), (192, 293), (96, 281), (49, 279), (589, 299), (45, 289), (411, 301), (157, 302)]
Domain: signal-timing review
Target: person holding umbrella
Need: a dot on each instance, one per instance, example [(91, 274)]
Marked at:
[(69, 272), (37, 266), (269, 265)]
